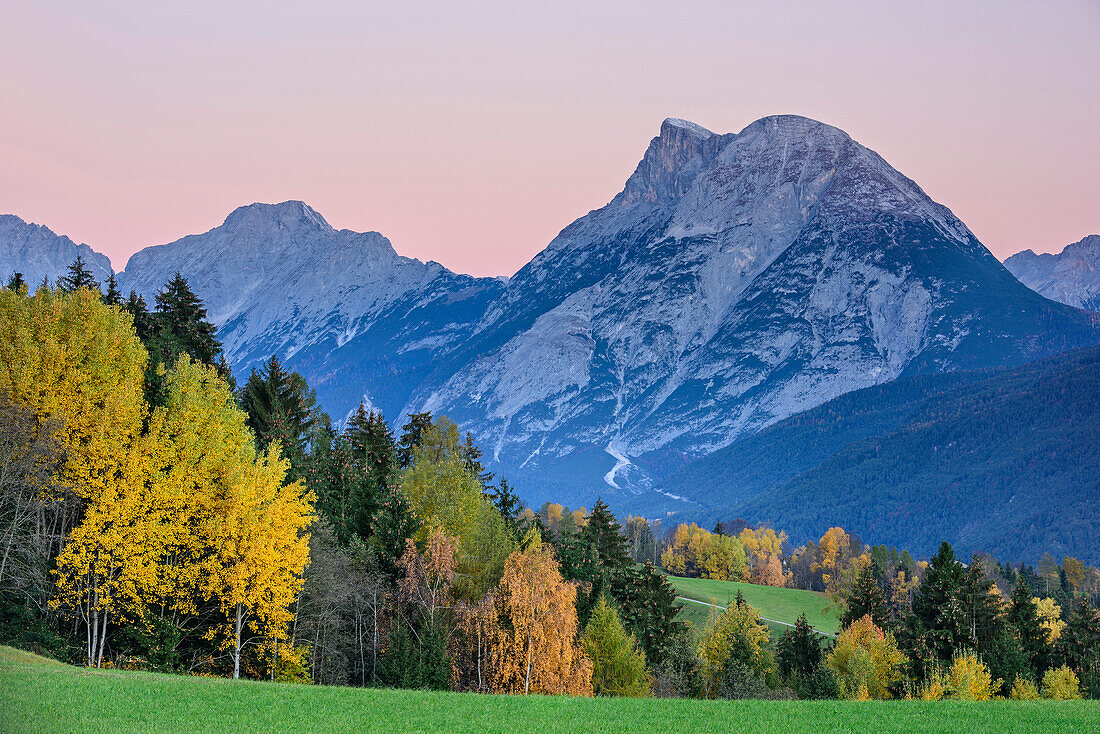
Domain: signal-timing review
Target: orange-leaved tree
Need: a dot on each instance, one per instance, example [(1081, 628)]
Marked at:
[(536, 651)]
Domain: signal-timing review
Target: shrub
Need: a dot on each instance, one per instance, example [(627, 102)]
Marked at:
[(679, 674), (1023, 690), (737, 680), (819, 684), (1061, 684), (933, 689), (969, 679)]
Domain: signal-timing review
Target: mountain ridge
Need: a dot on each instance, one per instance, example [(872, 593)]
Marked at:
[(735, 280), (1071, 276)]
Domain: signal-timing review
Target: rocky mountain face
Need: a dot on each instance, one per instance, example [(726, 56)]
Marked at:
[(359, 320), (37, 253), (736, 280), (1071, 276)]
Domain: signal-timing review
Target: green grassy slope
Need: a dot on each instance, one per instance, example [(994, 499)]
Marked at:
[(40, 696), (780, 605)]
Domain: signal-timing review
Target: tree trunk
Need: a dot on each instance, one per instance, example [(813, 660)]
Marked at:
[(527, 683), (237, 644), (102, 640)]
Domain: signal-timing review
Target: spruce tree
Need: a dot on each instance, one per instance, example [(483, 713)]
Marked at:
[(281, 408), (507, 503), (939, 606), (79, 277), (181, 318), (16, 282), (798, 651), (471, 455), (393, 524), (112, 296), (1024, 618), (649, 611), (144, 324), (1079, 646), (605, 534), (867, 597), (410, 437)]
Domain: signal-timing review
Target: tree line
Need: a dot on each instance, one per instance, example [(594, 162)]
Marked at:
[(157, 516)]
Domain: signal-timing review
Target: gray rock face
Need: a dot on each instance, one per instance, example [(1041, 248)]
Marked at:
[(1071, 276), (736, 280), (359, 320), (37, 253)]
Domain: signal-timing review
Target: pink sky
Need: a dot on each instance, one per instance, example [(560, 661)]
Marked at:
[(472, 136)]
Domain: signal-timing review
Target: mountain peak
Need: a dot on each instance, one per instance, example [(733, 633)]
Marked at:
[(674, 125), (674, 158), (292, 215)]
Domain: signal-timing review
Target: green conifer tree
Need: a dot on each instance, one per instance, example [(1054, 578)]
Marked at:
[(112, 296), (618, 665), (798, 652), (867, 597), (1024, 618), (79, 277)]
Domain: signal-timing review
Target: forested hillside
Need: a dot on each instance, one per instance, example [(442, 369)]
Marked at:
[(1005, 461)]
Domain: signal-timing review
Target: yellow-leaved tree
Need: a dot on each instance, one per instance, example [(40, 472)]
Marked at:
[(764, 549), (78, 364), (866, 661), (259, 548)]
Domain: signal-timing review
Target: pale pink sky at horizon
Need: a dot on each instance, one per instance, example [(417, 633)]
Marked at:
[(471, 133)]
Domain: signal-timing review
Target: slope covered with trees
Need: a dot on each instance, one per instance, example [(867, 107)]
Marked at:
[(1003, 461)]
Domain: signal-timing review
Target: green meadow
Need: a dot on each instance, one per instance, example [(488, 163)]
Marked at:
[(781, 605), (39, 695)]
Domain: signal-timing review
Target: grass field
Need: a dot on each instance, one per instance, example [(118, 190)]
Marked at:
[(38, 695), (781, 605)]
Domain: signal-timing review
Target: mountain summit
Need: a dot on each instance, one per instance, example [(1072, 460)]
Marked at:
[(737, 279)]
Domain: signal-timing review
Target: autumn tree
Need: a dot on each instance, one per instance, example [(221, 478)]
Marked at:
[(866, 661), (736, 635), (260, 547), (618, 664), (535, 650), (764, 551), (695, 551), (76, 362), (417, 656), (478, 628)]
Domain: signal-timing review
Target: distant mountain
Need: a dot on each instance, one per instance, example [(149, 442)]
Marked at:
[(736, 280), (1004, 461), (1071, 276), (37, 253), (361, 322)]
